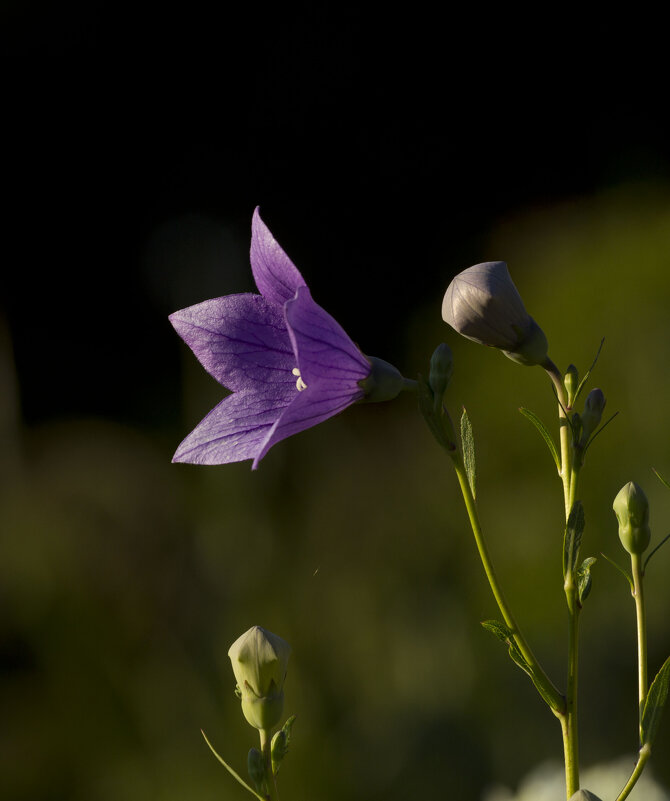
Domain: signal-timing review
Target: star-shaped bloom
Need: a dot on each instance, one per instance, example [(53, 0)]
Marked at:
[(289, 364)]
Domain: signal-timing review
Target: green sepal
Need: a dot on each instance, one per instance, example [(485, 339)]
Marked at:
[(280, 743), (573, 539), (654, 703), (504, 634), (230, 770), (535, 420), (621, 570), (256, 770), (584, 795), (584, 578), (588, 372), (468, 446), (437, 420), (660, 478)]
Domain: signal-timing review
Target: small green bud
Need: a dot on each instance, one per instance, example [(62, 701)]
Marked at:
[(571, 382), (584, 795), (441, 370), (631, 508), (384, 382), (260, 659), (592, 414), (256, 769)]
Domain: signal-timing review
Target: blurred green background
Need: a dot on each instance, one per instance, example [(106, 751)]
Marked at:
[(140, 145)]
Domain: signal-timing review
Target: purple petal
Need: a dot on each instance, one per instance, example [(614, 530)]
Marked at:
[(326, 354), (308, 408), (241, 340), (236, 429), (277, 278)]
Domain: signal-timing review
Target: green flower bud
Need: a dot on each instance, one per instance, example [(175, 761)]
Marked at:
[(592, 414), (584, 795), (571, 382), (384, 382), (631, 508), (260, 659), (441, 370)]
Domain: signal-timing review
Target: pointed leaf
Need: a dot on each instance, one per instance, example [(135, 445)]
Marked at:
[(535, 420), (588, 372), (662, 542), (621, 570), (230, 770), (280, 744), (584, 578), (660, 478), (468, 444), (653, 707), (573, 538)]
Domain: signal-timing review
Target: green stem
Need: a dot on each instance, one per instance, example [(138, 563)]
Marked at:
[(266, 742), (549, 690), (645, 753), (569, 473), (638, 595)]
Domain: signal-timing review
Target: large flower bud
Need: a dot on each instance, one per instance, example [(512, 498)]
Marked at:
[(631, 508), (260, 660), (482, 304)]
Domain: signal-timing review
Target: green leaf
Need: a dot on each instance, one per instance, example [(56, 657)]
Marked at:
[(535, 420), (584, 578), (660, 478), (573, 538), (662, 542), (280, 743), (653, 706), (504, 634), (230, 770), (588, 372), (468, 445), (621, 570)]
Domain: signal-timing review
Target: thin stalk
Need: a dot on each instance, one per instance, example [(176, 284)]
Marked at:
[(550, 691), (266, 742), (645, 753), (638, 595)]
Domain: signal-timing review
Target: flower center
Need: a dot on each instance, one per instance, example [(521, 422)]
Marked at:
[(300, 384)]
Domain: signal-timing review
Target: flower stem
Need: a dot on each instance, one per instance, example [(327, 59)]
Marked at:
[(539, 676), (638, 595), (645, 753), (266, 742)]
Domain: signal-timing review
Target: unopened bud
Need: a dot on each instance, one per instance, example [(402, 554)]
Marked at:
[(441, 370), (571, 382), (256, 769), (584, 795), (631, 508), (592, 414), (260, 659)]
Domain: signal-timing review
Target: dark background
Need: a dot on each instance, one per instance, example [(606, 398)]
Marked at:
[(387, 149)]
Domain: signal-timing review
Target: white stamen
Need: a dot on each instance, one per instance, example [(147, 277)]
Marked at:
[(300, 384)]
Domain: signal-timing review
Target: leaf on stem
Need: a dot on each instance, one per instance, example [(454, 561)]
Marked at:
[(662, 542), (468, 445), (653, 706), (573, 538), (230, 770), (505, 635), (584, 578), (621, 570), (588, 372), (535, 420)]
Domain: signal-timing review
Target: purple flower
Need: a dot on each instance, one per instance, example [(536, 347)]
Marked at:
[(289, 364)]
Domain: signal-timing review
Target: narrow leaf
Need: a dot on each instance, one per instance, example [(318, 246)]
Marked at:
[(621, 570), (535, 420), (584, 578), (662, 542), (468, 444), (588, 372), (573, 538), (660, 478), (653, 707), (230, 770)]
